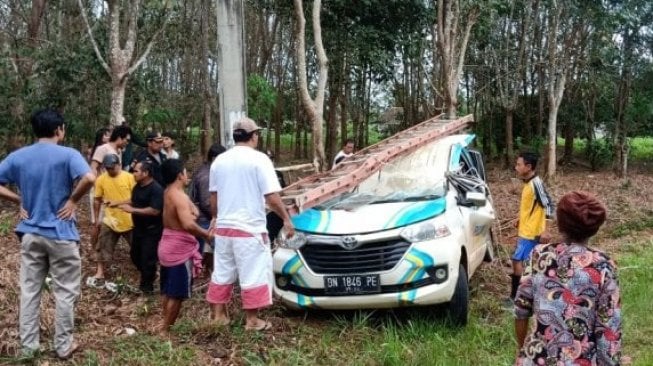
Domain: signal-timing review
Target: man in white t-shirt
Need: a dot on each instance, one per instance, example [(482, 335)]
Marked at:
[(120, 137), (347, 151), (242, 180)]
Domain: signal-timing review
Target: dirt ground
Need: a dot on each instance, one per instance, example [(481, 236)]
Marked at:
[(103, 316)]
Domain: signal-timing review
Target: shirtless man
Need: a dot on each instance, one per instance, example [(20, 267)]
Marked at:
[(178, 249)]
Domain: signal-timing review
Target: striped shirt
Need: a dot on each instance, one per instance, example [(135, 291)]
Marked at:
[(535, 207)]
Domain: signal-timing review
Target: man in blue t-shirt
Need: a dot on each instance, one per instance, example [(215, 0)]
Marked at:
[(45, 174)]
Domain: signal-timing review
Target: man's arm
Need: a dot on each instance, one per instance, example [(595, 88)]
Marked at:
[(273, 201), (213, 200), (67, 212), (145, 211), (9, 195)]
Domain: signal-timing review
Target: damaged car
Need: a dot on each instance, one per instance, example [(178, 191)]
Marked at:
[(412, 234)]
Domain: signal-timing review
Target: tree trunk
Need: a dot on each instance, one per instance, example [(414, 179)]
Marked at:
[(551, 142), (122, 59), (452, 54), (510, 145), (314, 108), (118, 88), (205, 135)]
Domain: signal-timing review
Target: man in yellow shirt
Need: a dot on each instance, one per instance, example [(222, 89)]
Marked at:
[(112, 188), (534, 209)]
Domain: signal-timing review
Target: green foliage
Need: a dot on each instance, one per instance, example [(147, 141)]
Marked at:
[(6, 224), (633, 226), (261, 98), (599, 153), (635, 278), (641, 148), (146, 350)]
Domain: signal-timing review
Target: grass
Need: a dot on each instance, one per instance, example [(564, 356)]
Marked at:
[(412, 336), (143, 350), (641, 148), (635, 278), (632, 226)]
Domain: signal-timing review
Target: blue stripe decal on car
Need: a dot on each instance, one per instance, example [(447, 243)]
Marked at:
[(416, 212)]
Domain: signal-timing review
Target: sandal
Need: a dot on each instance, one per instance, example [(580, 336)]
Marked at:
[(260, 328), (95, 282)]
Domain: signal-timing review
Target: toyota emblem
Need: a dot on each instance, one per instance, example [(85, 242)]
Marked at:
[(349, 242)]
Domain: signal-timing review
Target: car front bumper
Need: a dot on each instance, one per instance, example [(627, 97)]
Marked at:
[(410, 282)]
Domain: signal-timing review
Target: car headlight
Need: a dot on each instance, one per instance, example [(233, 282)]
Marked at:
[(297, 241), (423, 232)]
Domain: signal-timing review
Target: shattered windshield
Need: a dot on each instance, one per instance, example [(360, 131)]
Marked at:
[(412, 177)]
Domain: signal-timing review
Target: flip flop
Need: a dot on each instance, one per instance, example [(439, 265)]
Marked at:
[(95, 282), (261, 328)]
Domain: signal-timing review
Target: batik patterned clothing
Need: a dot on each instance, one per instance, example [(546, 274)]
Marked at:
[(572, 293)]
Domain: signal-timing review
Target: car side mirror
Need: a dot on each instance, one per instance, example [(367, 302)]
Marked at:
[(477, 199)]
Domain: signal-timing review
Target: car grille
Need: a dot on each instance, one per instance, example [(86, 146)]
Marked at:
[(368, 257)]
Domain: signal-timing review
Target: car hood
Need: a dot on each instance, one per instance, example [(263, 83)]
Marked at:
[(367, 218)]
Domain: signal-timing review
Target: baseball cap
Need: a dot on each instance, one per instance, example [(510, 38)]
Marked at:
[(153, 136), (246, 124), (110, 160)]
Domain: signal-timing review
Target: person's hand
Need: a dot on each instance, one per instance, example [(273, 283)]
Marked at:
[(67, 212), (289, 228), (23, 214), (127, 208), (210, 236), (545, 238)]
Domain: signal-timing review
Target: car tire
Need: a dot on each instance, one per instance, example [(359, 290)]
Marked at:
[(458, 307)]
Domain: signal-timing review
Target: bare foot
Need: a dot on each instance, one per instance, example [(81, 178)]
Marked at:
[(221, 321)]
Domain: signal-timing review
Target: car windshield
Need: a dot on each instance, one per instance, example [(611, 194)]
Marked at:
[(412, 177)]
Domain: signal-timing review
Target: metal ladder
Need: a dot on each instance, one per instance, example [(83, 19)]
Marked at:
[(318, 188)]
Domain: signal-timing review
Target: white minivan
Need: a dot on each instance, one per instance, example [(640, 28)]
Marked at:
[(411, 234)]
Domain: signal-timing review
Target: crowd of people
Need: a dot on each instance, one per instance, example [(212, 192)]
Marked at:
[(220, 229)]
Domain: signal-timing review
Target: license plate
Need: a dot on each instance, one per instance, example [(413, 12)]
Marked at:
[(352, 285)]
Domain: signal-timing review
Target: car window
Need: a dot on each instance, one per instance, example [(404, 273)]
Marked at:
[(413, 177)]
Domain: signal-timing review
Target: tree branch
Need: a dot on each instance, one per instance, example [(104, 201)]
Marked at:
[(104, 64), (148, 48)]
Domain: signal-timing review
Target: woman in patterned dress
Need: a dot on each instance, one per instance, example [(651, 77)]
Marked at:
[(572, 293)]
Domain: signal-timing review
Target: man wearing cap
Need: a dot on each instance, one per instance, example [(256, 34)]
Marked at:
[(153, 155), (241, 182), (45, 174), (112, 188), (168, 146)]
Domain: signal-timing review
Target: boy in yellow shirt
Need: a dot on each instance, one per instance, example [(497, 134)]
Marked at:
[(534, 209), (112, 188)]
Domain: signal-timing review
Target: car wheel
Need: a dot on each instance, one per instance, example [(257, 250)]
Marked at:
[(458, 307)]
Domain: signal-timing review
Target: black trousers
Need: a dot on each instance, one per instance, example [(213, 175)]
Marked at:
[(144, 254)]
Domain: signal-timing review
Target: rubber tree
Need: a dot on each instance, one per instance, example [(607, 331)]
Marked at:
[(122, 60), (314, 108)]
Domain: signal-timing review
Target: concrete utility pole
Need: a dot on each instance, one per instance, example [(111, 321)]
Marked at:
[(231, 66)]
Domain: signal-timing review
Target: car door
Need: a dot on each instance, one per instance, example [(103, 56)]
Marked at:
[(478, 219)]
